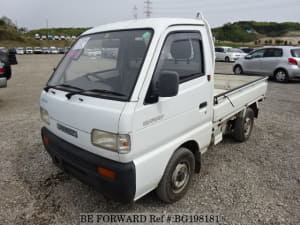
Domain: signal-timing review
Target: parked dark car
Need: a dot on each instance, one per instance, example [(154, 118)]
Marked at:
[(6, 60), (247, 50), (61, 50)]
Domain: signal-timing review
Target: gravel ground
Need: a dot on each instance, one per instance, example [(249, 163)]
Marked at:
[(257, 182)]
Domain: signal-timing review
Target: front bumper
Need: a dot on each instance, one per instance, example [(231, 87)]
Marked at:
[(3, 82), (83, 165)]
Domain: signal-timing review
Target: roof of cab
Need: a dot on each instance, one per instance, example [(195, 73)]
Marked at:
[(154, 23)]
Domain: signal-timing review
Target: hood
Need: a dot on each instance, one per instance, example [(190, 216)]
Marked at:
[(81, 112)]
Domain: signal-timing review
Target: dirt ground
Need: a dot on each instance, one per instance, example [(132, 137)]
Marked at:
[(257, 182)]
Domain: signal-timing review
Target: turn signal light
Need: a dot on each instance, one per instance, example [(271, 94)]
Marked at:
[(106, 173), (293, 61), (46, 140)]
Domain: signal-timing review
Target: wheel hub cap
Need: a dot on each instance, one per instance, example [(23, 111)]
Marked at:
[(180, 177), (280, 76)]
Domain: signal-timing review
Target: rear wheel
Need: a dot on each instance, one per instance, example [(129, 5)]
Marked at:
[(281, 76), (177, 176), (238, 70), (243, 126), (227, 59)]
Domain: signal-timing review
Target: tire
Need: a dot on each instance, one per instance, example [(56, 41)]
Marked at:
[(177, 176), (238, 70), (227, 59), (243, 126), (281, 76)]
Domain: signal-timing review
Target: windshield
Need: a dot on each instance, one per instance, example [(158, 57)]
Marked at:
[(108, 61)]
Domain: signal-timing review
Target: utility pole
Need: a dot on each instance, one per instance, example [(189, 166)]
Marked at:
[(47, 29), (148, 8), (135, 12)]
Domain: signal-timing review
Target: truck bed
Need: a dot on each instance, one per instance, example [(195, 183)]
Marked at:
[(234, 92)]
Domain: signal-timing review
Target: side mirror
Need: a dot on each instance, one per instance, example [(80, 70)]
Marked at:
[(12, 56), (168, 84), (248, 57)]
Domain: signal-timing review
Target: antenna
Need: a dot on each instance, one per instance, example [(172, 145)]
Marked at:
[(199, 16), (135, 12), (148, 8)]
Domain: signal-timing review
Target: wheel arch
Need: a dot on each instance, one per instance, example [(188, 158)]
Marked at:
[(235, 66), (254, 107), (193, 146)]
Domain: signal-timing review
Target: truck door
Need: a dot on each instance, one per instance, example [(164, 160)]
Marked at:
[(162, 124)]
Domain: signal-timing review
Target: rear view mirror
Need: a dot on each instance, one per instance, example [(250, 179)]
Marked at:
[(248, 57), (12, 56), (168, 84)]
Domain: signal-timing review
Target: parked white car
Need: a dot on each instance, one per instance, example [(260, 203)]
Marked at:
[(228, 54), (45, 50), (28, 50), (53, 50), (37, 36), (37, 50), (140, 121), (20, 50)]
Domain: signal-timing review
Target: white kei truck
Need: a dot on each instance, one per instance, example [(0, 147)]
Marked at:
[(137, 116)]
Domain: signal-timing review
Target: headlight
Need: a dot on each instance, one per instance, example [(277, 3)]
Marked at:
[(44, 115), (114, 142)]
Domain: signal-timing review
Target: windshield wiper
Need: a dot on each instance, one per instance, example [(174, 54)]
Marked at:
[(61, 85), (99, 91)]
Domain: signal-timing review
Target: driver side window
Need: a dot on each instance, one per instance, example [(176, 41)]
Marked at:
[(182, 53), (258, 53)]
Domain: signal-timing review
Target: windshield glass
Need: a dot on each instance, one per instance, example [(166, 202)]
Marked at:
[(235, 50), (106, 61)]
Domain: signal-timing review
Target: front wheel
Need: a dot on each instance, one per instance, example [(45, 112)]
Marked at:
[(243, 126), (281, 76), (238, 70), (177, 176), (227, 59)]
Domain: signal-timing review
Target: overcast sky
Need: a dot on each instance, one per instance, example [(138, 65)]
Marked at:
[(88, 13)]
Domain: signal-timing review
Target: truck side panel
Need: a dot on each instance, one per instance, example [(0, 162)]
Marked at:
[(233, 102)]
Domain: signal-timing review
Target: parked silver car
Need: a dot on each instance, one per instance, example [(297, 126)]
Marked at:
[(280, 62), (228, 54)]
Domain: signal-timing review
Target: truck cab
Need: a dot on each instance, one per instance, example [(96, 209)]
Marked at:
[(138, 116)]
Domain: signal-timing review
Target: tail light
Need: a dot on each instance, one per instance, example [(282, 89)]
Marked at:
[(1, 70), (293, 61)]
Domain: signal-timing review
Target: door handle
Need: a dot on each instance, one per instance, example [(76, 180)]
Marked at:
[(202, 105)]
